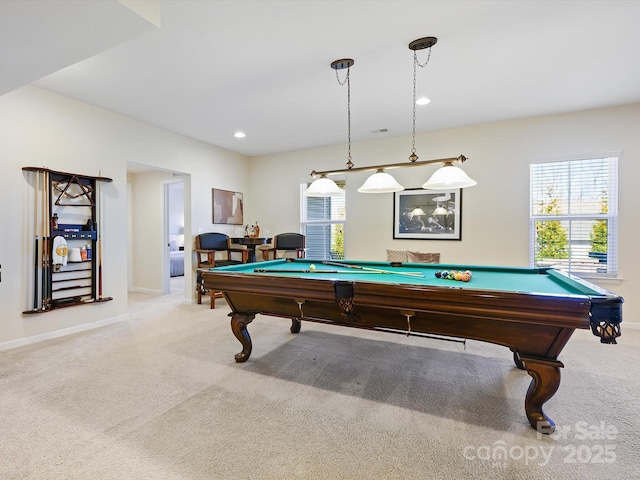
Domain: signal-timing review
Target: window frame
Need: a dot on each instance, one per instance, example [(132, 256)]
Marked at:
[(305, 222), (611, 216)]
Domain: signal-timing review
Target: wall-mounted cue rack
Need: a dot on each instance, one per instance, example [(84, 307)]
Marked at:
[(67, 240)]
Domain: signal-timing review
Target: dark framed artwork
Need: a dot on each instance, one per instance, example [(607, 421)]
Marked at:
[(227, 207), (427, 214)]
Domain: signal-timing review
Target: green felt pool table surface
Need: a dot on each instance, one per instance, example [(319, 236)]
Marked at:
[(508, 279)]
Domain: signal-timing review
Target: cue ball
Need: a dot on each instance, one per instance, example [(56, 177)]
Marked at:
[(312, 267)]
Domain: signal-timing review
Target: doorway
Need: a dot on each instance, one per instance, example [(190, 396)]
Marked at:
[(174, 232), (151, 232)]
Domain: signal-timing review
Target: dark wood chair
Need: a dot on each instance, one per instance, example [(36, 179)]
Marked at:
[(285, 242), (215, 250)]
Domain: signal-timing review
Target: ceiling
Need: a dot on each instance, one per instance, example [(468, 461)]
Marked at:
[(214, 67)]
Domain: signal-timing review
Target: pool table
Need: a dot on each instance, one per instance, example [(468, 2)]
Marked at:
[(532, 311)]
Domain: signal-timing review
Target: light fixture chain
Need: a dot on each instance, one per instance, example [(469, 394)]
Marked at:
[(339, 65), (415, 58), (413, 157), (349, 162), (346, 79), (413, 144)]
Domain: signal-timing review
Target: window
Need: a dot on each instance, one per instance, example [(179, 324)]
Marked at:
[(574, 215), (322, 222)]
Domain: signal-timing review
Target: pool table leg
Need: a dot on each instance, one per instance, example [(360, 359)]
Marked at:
[(239, 324), (545, 381)]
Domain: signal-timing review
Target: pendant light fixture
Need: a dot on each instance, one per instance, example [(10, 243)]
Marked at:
[(380, 182), (445, 178), (449, 177), (323, 186)]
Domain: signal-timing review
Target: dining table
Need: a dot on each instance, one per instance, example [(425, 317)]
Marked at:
[(251, 243)]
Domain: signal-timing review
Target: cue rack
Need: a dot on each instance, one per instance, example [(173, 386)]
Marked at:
[(67, 240)]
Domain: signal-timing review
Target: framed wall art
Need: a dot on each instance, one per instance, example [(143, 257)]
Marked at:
[(427, 214), (227, 207)]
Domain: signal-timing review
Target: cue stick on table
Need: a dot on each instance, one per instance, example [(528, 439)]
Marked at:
[(374, 270), (268, 270)]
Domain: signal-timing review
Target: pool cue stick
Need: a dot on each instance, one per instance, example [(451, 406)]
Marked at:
[(98, 207), (46, 225), (35, 274), (42, 256), (268, 270), (375, 270), (36, 232)]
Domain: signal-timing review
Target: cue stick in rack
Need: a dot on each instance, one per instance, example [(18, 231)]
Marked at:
[(373, 270), (36, 232), (98, 206), (46, 226)]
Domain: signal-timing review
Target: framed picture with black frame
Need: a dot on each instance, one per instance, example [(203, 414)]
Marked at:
[(227, 207), (420, 214)]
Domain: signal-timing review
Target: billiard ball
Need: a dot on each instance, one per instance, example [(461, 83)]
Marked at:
[(438, 274), (312, 267), (465, 277)]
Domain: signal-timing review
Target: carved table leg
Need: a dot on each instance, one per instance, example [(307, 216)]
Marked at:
[(295, 325), (545, 383), (239, 324)]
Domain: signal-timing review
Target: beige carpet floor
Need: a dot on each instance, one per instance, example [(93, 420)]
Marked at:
[(161, 397)]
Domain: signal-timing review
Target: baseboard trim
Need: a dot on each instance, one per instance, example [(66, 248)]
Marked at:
[(146, 290), (21, 342)]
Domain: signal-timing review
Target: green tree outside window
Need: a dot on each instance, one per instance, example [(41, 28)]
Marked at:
[(600, 232), (551, 236)]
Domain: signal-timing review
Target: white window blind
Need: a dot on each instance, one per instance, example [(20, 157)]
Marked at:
[(574, 215), (322, 222)]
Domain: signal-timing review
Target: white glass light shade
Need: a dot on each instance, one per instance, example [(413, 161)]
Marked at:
[(380, 182), (448, 177), (417, 211), (323, 187)]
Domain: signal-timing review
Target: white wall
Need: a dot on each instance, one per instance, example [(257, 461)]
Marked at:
[(38, 128), (495, 226)]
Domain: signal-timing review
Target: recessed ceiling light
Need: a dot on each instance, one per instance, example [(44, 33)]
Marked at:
[(423, 101), (239, 135)]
